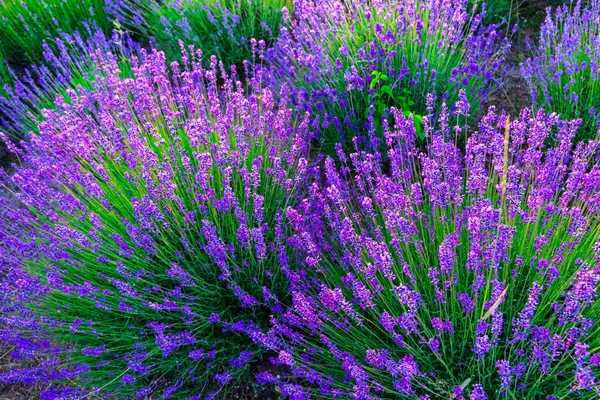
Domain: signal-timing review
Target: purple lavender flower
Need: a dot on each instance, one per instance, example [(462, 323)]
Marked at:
[(214, 318), (223, 378), (504, 371), (477, 393)]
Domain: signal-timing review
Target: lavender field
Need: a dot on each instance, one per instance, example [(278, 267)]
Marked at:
[(299, 199)]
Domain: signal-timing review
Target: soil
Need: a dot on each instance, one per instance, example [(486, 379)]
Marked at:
[(514, 95)]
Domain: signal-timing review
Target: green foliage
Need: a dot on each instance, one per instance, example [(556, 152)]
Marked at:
[(222, 28), (496, 11), (384, 97), (25, 24), (4, 74)]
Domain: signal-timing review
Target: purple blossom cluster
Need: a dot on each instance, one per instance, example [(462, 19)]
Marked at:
[(563, 72), (143, 248)]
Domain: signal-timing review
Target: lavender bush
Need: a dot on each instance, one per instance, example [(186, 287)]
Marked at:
[(349, 61), (563, 73), (68, 64), (222, 28), (145, 244), (451, 276)]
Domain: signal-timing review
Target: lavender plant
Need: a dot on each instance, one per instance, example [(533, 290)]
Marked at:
[(25, 24), (222, 28), (68, 64), (451, 276), (563, 73), (147, 240), (349, 61)]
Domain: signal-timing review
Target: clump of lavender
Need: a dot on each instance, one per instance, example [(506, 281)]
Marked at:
[(563, 73), (349, 61), (25, 24), (222, 28), (451, 275), (145, 252), (67, 64)]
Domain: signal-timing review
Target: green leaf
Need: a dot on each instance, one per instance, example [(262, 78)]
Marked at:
[(387, 89), (420, 132), (418, 121), (374, 82)]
